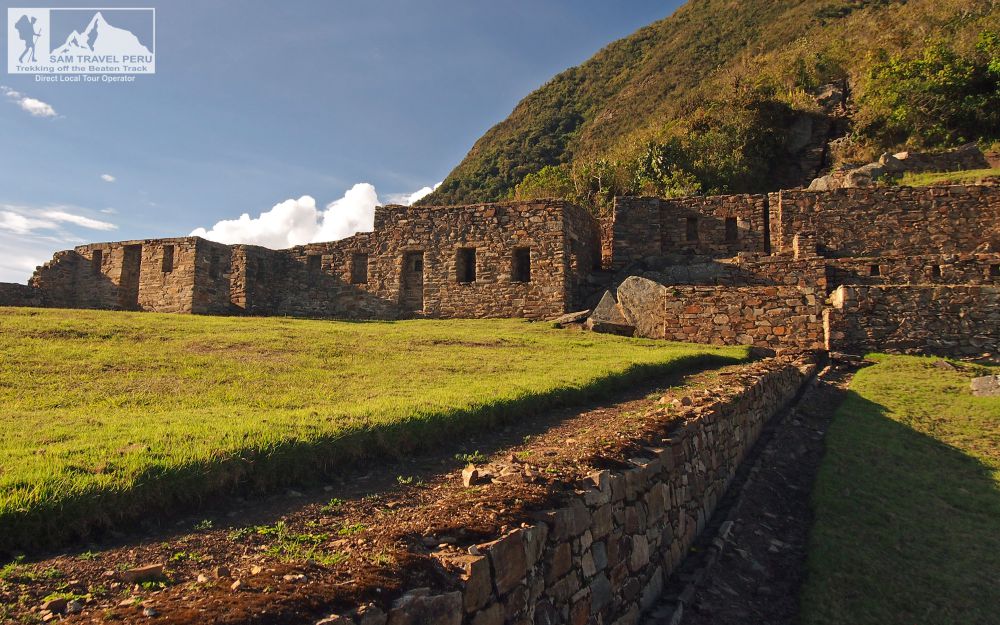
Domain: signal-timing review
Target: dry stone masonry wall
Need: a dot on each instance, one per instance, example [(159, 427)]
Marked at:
[(750, 269), (889, 221), (946, 320), (603, 554)]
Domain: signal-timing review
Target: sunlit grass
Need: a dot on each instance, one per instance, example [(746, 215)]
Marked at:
[(908, 502), (972, 176), (107, 414)]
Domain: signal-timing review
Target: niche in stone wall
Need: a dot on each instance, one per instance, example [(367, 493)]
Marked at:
[(465, 264), (96, 260), (359, 268), (732, 231), (168, 258), (521, 265), (691, 229)]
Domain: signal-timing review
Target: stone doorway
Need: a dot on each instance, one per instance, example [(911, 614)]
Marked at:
[(128, 285), (411, 292)]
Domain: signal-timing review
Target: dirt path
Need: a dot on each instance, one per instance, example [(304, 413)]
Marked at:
[(749, 564)]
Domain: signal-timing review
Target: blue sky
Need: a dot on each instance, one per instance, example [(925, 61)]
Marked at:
[(306, 107)]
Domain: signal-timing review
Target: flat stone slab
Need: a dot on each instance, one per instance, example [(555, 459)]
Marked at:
[(986, 386), (573, 317)]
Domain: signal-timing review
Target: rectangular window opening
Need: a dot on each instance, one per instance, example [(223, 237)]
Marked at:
[(168, 258), (465, 264), (995, 271), (732, 231), (96, 260), (359, 269), (692, 229), (874, 270), (313, 262), (935, 271), (521, 270)]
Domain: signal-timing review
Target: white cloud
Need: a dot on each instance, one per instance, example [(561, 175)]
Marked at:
[(33, 106), (406, 199), (78, 220), (27, 220), (296, 222), (30, 235), (108, 178)]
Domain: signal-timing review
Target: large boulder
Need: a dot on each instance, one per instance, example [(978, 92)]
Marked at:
[(608, 318), (642, 302)]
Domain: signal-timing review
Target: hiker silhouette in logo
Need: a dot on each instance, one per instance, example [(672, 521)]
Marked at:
[(26, 31)]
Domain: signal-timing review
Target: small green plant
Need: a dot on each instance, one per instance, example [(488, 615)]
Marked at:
[(404, 479), (473, 458), (14, 570), (87, 556), (350, 530), (152, 586), (185, 556), (241, 533), (332, 505), (383, 558), (204, 525)]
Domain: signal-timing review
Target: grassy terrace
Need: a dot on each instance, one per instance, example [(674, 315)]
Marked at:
[(109, 415), (908, 502), (972, 176)]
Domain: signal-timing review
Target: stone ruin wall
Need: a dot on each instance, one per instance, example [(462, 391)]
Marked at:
[(821, 240), (966, 269), (945, 320), (603, 554), (722, 225), (157, 275), (763, 316), (528, 259), (19, 295), (544, 228), (889, 221)]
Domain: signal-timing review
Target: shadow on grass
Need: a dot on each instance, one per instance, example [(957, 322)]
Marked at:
[(164, 492), (907, 527)]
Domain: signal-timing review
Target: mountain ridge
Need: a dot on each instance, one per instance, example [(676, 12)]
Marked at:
[(713, 66)]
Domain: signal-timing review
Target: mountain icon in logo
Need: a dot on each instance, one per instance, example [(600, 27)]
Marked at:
[(101, 38)]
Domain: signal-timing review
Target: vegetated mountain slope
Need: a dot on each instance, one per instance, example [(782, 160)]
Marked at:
[(716, 87)]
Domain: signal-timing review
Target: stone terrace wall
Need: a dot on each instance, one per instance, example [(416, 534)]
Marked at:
[(604, 554), (768, 316), (888, 220), (964, 269), (645, 227), (494, 231), (744, 271), (19, 295), (946, 320)]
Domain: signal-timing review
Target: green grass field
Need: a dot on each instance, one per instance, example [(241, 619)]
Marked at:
[(973, 176), (107, 415), (907, 502)]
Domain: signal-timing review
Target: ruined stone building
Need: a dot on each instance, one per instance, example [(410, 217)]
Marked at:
[(879, 268)]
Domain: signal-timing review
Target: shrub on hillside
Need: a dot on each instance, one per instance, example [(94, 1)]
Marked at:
[(942, 97)]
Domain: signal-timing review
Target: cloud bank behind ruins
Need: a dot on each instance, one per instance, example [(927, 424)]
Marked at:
[(297, 222)]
